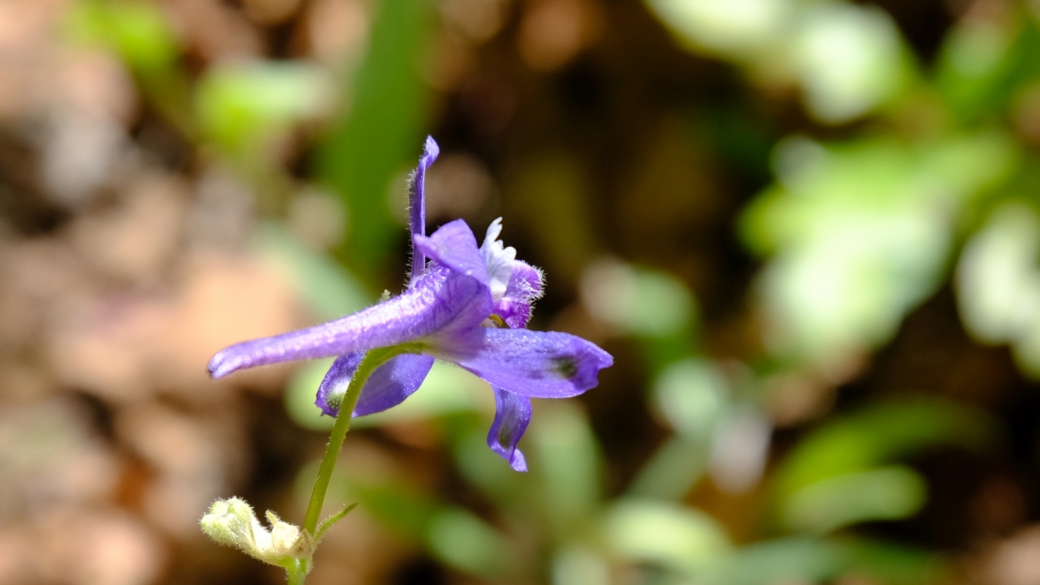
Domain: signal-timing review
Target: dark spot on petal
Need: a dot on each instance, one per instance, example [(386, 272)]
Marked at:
[(503, 437), (565, 366)]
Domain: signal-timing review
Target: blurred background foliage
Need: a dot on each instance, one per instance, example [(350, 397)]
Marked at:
[(808, 231)]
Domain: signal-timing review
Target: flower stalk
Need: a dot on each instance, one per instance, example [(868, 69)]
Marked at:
[(372, 360), (232, 522)]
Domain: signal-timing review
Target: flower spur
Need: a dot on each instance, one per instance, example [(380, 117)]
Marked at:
[(468, 306)]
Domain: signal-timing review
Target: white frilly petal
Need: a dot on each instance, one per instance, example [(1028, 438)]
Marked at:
[(500, 260)]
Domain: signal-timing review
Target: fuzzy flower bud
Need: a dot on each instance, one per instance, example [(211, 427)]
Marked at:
[(232, 522)]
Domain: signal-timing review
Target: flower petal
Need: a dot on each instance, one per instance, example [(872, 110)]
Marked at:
[(536, 364), (440, 301), (454, 246), (334, 385), (512, 414), (514, 312), (417, 204), (514, 284), (388, 386), (525, 287), (526, 281), (498, 259)]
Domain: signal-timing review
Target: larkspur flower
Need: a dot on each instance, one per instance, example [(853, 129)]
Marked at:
[(468, 306)]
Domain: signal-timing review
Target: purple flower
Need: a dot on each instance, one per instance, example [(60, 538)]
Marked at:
[(467, 305)]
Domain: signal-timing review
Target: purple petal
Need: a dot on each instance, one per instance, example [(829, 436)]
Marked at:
[(440, 301), (526, 281), (417, 204), (454, 246), (512, 414), (525, 286), (388, 386), (536, 364), (515, 312), (334, 385)]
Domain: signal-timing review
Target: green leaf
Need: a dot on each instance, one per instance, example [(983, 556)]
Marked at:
[(331, 521), (329, 290), (565, 459), (850, 60), (692, 395), (380, 136), (638, 301), (735, 29), (580, 565), (877, 435), (795, 559), (402, 508), (998, 283), (670, 534), (860, 234), (464, 541), (137, 31), (242, 105), (984, 63), (812, 560), (887, 493)]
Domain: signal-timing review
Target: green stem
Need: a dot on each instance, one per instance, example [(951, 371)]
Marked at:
[(298, 572), (372, 360)]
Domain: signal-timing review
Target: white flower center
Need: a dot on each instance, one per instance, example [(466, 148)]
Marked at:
[(499, 260)]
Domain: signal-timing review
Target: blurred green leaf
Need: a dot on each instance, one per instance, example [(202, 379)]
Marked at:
[(886, 493), (973, 60), (998, 283), (485, 469), (893, 563), (851, 59), (860, 234), (740, 448), (142, 37), (638, 301), (766, 563), (137, 31), (691, 395), (998, 279), (566, 462), (877, 435), (820, 185), (380, 135), (983, 62), (405, 509), (464, 541), (673, 469), (814, 560), (670, 534), (971, 164), (329, 290), (241, 105), (579, 565), (737, 29), (452, 534)]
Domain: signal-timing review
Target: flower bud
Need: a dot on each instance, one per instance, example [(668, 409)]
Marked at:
[(287, 540), (232, 522)]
